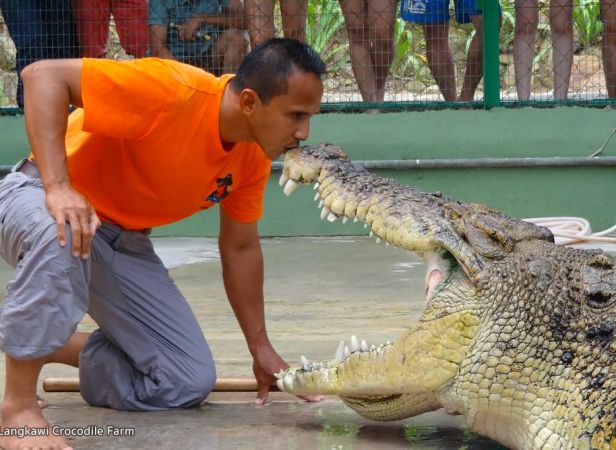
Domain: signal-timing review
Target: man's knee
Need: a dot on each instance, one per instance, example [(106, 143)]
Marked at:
[(197, 382), (180, 384), (234, 38), (109, 378)]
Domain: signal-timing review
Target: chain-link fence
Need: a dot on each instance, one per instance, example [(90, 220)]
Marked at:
[(380, 53)]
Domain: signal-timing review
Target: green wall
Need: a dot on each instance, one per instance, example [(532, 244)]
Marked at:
[(524, 192)]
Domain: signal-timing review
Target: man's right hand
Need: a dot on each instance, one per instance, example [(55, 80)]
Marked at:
[(66, 205), (188, 29)]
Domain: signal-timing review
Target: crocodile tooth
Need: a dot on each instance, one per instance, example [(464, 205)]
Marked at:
[(364, 346), (290, 187), (316, 196), (372, 347), (365, 225), (283, 179), (387, 244), (324, 212), (346, 352), (332, 217), (378, 240), (371, 233), (354, 344), (305, 362), (345, 219), (316, 186), (288, 381), (321, 204), (388, 343), (339, 355), (354, 219)]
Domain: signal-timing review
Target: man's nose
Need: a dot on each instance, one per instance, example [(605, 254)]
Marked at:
[(302, 132)]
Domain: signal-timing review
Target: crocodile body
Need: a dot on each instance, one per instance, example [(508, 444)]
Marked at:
[(517, 333)]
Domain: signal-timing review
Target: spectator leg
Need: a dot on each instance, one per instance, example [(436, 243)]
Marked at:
[(294, 18), (608, 45), (561, 26), (260, 19), (359, 45), (526, 20), (25, 24), (92, 17), (381, 19), (440, 59), (131, 19), (60, 29), (228, 51), (474, 63)]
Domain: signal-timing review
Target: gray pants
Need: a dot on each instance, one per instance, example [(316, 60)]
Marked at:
[(149, 353)]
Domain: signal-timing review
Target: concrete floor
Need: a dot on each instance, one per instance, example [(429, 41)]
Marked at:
[(318, 291)]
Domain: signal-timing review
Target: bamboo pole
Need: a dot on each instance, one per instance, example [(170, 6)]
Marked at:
[(222, 385)]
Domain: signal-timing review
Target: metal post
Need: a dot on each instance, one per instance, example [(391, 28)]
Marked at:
[(491, 52)]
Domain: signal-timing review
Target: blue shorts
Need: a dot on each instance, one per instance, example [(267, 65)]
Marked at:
[(437, 11)]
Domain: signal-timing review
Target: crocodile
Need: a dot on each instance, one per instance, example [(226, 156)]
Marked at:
[(517, 334)]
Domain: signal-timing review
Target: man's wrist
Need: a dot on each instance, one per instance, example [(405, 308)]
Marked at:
[(198, 20), (258, 342), (57, 185)]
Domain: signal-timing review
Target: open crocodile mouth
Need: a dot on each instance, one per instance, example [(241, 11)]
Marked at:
[(396, 215)]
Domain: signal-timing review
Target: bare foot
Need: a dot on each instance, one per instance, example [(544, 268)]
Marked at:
[(25, 428)]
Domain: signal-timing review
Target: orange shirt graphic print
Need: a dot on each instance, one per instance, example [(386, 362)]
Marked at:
[(222, 190)]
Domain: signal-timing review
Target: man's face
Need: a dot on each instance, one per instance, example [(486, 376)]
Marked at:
[(284, 121)]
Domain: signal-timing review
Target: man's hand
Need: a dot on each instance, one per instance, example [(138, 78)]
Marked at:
[(65, 204), (265, 364), (189, 29)]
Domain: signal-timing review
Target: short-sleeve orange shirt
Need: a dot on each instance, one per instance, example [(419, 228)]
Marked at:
[(146, 151)]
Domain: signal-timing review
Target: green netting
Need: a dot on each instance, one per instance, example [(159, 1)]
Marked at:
[(363, 43)]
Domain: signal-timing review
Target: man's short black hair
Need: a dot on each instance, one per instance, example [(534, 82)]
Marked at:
[(267, 68)]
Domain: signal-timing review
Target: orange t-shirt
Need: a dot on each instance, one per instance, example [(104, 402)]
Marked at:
[(146, 151)]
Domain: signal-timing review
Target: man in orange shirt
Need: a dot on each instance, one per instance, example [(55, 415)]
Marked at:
[(153, 141)]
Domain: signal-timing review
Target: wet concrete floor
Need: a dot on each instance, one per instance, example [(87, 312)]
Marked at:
[(318, 291)]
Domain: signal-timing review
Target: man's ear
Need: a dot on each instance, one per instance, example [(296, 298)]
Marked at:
[(249, 101)]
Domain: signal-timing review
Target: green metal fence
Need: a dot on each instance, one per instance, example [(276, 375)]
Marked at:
[(379, 61)]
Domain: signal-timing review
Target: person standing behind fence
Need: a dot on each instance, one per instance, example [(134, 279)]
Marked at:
[(205, 33), (40, 30), (608, 46), (561, 28), (130, 18), (370, 27), (260, 16), (434, 17)]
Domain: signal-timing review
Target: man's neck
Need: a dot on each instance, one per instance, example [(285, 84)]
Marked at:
[(232, 123)]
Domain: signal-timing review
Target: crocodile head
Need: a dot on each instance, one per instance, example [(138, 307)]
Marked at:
[(517, 333)]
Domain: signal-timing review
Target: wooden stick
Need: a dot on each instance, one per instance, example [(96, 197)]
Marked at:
[(222, 385)]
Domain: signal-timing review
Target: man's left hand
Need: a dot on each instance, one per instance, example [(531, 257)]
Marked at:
[(265, 364)]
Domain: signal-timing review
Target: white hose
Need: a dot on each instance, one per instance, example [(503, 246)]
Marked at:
[(573, 230)]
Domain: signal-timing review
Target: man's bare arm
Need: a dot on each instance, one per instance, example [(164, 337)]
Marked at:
[(50, 87), (158, 42), (242, 263), (232, 17)]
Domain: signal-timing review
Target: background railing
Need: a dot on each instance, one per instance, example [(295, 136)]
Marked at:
[(416, 53)]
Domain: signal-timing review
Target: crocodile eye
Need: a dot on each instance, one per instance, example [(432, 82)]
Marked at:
[(599, 278), (598, 300)]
